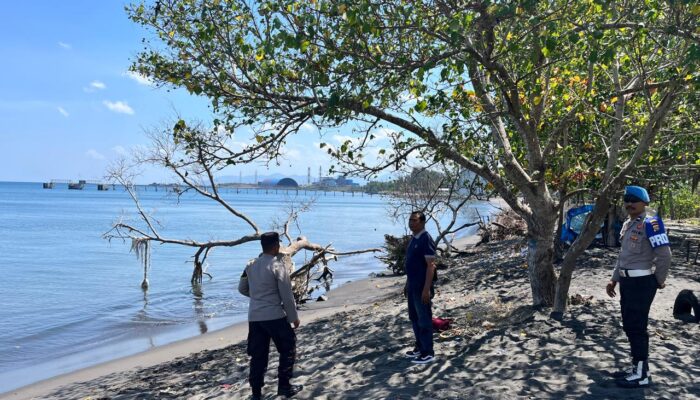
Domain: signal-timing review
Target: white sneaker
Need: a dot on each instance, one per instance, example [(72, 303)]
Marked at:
[(412, 353), (423, 359)]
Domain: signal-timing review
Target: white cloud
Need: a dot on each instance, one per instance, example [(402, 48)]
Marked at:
[(65, 45), (119, 150), (312, 156), (95, 85), (92, 153), (309, 127), (293, 154), (325, 148), (343, 138), (63, 112), (383, 133), (139, 78), (119, 107)]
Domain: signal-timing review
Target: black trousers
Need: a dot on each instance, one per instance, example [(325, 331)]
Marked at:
[(259, 335), (636, 296)]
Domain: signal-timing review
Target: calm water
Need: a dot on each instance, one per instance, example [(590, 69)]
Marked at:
[(71, 299)]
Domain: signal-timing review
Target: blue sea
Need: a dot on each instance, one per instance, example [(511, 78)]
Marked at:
[(71, 299)]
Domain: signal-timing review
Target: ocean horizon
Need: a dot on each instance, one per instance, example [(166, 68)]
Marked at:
[(73, 299)]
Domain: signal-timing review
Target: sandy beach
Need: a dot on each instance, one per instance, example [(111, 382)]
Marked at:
[(351, 346)]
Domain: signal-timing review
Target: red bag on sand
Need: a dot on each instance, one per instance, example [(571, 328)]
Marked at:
[(441, 324)]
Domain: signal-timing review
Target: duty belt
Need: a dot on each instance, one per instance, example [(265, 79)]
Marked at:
[(634, 273)]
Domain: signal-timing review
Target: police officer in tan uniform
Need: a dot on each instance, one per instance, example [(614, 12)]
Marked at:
[(644, 245), (271, 315)]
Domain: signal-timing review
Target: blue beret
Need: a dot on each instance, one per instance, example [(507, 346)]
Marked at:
[(639, 192)]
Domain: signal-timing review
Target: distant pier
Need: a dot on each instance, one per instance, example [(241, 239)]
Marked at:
[(76, 185), (226, 188)]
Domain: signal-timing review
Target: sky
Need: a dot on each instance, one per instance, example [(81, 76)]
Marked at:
[(69, 107)]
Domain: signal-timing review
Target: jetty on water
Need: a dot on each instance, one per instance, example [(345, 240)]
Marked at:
[(77, 185), (227, 187)]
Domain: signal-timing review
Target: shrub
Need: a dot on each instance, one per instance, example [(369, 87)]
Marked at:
[(686, 204)]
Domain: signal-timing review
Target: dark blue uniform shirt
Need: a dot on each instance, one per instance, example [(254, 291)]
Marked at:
[(416, 265)]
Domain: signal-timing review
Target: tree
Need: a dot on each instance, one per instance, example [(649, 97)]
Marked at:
[(541, 99), (194, 154), (442, 193)]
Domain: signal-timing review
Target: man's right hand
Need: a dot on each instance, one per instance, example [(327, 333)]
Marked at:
[(610, 288), (296, 323)]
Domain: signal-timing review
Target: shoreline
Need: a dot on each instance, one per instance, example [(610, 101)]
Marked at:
[(341, 298), (499, 346), (345, 297)]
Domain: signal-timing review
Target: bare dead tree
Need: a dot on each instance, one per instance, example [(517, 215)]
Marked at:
[(194, 155), (443, 193)]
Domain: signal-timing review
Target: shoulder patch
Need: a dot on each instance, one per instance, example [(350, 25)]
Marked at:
[(656, 233)]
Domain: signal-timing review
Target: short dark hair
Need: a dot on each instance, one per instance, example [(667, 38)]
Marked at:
[(420, 214), (269, 240)]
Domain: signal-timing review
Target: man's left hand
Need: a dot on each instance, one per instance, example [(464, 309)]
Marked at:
[(426, 296), (662, 285)]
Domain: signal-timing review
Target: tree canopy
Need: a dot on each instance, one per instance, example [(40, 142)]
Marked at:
[(539, 98)]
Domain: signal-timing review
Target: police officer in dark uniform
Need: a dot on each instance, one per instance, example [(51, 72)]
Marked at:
[(644, 244)]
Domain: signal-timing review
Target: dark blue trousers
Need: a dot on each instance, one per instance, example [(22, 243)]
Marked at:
[(259, 335), (421, 316), (636, 296)]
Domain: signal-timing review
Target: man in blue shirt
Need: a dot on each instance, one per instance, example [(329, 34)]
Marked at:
[(420, 270)]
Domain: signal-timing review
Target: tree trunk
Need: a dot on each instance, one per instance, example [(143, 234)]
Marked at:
[(540, 255), (539, 260), (671, 206), (611, 239), (558, 244), (591, 227)]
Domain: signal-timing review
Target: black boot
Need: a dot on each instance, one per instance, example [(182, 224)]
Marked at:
[(289, 391), (257, 394), (623, 372), (639, 377)]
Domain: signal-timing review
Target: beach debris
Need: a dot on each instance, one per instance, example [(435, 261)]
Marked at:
[(488, 325), (504, 225), (660, 335), (577, 299), (140, 247), (322, 298), (395, 253)]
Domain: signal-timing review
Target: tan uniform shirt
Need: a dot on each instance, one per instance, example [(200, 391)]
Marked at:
[(268, 285), (644, 244)]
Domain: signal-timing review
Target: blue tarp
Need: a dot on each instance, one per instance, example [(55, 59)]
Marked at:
[(573, 224)]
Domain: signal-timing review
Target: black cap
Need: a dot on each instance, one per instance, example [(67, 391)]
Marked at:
[(269, 238)]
